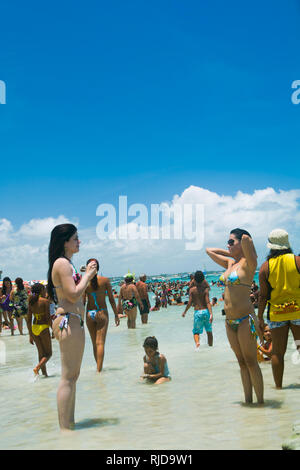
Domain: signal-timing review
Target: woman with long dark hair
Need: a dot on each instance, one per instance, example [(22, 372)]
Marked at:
[(279, 287), (97, 314), (19, 301), (66, 287), (5, 304), (240, 262), (39, 334)]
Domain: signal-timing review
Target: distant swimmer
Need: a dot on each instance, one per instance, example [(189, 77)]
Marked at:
[(203, 317)]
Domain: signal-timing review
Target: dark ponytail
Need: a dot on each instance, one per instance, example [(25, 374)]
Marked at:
[(59, 236), (36, 291)]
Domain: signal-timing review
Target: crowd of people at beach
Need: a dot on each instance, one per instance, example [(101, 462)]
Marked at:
[(70, 298)]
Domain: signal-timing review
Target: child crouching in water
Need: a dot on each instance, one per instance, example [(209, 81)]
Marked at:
[(155, 364), (264, 350)]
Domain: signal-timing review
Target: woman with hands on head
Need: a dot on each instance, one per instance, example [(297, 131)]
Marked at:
[(240, 262), (66, 287)]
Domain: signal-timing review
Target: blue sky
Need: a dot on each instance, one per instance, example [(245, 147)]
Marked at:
[(144, 99)]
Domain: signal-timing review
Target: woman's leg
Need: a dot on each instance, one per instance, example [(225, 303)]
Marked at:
[(20, 324), (244, 347), (245, 376), (102, 326), (92, 327), (279, 345), (11, 323), (248, 346), (71, 342), (44, 347), (5, 317)]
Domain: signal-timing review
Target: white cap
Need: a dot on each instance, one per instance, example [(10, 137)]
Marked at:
[(278, 240)]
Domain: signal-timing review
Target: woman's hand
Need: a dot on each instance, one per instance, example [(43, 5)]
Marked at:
[(91, 269)]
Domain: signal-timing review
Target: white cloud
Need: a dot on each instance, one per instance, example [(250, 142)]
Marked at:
[(24, 251), (6, 230), (41, 228)]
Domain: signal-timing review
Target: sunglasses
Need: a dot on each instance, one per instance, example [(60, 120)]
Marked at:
[(230, 242)]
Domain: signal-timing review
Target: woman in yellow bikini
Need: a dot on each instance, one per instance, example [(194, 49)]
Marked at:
[(240, 262), (279, 282), (39, 334)]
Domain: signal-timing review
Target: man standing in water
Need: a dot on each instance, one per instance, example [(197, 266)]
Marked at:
[(203, 317), (143, 292)]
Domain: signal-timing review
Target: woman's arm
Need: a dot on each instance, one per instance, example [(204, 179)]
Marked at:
[(111, 297), (249, 251), (264, 293), (297, 261), (112, 302), (119, 307), (29, 323), (85, 298), (47, 312), (72, 292), (219, 256)]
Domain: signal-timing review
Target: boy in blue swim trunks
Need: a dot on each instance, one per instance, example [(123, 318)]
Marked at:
[(203, 317)]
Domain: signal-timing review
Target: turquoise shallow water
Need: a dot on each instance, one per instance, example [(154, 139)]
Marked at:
[(201, 408)]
